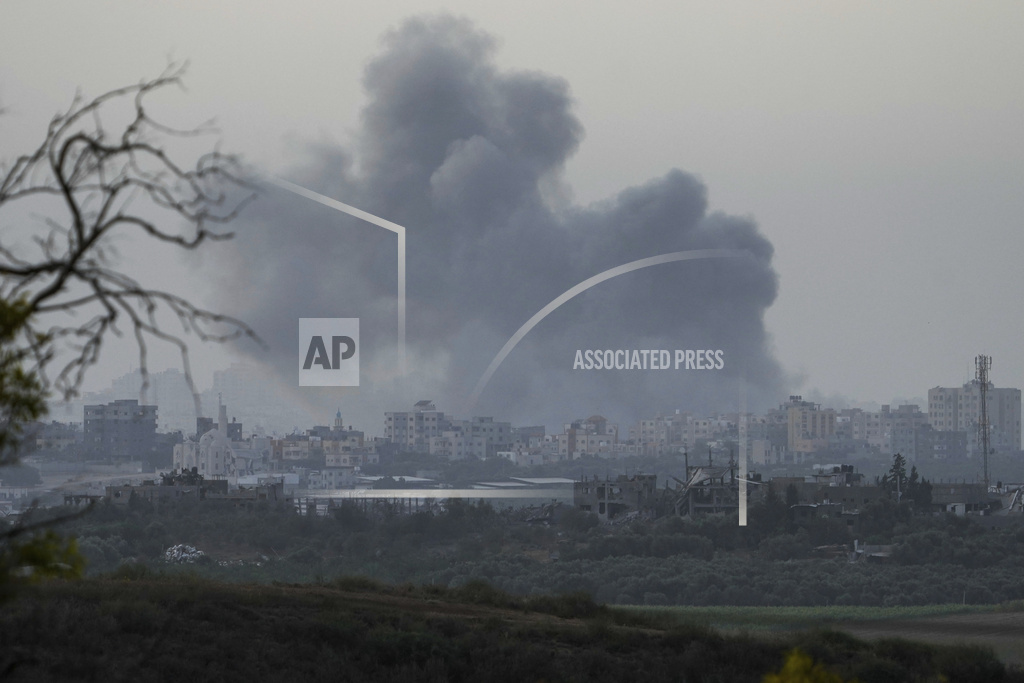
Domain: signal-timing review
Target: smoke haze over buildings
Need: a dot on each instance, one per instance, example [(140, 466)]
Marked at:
[(468, 157)]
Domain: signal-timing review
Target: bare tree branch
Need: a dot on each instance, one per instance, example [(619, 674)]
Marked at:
[(105, 185)]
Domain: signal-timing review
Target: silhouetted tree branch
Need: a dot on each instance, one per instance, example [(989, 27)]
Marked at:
[(61, 289), (62, 292)]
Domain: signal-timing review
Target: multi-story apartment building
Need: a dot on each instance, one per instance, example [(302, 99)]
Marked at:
[(887, 431), (480, 437), (700, 429), (944, 408), (575, 444), (57, 436), (901, 427), (413, 430), (592, 436), (808, 425), (959, 409), (119, 430), (766, 443), (495, 436), (867, 426), (666, 433)]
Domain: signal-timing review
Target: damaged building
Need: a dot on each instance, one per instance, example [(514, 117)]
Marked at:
[(707, 490), (612, 498)]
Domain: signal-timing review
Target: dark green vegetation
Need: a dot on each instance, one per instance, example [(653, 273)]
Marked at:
[(487, 595), (136, 626), (709, 561)]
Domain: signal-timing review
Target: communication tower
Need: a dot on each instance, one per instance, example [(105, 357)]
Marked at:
[(982, 364)]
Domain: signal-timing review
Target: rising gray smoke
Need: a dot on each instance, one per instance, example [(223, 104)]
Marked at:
[(469, 158)]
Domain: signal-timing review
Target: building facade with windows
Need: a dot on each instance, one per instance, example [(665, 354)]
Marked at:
[(121, 430), (959, 409)]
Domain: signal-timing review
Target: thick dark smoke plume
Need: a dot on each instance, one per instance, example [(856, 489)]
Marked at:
[(469, 158)]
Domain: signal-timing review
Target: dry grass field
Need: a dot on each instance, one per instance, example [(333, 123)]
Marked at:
[(1001, 631)]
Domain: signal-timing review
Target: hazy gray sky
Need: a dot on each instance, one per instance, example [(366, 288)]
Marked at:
[(877, 145)]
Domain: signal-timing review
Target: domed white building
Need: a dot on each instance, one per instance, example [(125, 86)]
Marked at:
[(212, 456)]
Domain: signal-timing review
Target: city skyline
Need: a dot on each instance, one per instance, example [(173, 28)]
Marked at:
[(875, 147), (233, 387)]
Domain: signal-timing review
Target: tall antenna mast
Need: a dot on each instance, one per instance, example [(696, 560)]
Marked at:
[(982, 364)]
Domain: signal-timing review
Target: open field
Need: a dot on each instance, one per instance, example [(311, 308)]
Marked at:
[(1001, 631), (1000, 627)]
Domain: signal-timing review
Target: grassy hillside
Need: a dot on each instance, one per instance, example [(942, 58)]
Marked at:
[(137, 626)]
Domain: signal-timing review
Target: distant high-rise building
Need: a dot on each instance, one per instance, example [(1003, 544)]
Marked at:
[(809, 426), (958, 409), (119, 430)]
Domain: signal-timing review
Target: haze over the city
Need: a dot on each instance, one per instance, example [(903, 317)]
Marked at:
[(869, 155)]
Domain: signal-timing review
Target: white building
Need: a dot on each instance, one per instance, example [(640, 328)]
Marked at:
[(213, 455), (480, 437), (413, 430)]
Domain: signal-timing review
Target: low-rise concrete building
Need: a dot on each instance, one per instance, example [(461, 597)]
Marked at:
[(611, 498)]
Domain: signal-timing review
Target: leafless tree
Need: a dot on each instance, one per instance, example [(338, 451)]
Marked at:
[(60, 287)]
